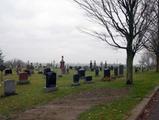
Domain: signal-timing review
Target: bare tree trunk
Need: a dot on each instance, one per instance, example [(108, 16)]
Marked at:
[(157, 63), (129, 74)]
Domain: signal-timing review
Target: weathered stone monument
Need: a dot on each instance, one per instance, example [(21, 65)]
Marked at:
[(9, 87), (62, 66), (50, 81)]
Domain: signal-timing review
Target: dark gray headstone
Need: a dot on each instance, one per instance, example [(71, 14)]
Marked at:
[(8, 71), (88, 79), (50, 81), (107, 72), (96, 72), (76, 80)]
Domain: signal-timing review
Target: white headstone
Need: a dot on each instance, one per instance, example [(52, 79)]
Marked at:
[(9, 87)]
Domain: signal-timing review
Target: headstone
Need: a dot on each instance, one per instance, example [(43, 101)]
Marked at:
[(121, 70), (115, 71), (94, 65), (27, 71), (81, 73), (97, 71), (106, 73), (75, 80), (101, 66), (88, 79), (91, 65), (46, 70), (71, 67), (23, 78), (50, 81), (9, 87), (2, 67), (8, 71), (136, 69), (31, 68)]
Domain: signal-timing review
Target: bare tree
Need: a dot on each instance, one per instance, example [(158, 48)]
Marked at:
[(123, 23), (14, 63), (147, 59), (152, 35)]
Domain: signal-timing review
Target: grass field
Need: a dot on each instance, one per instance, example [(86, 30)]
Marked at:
[(33, 94)]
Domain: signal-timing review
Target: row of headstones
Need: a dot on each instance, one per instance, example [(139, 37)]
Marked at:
[(9, 85), (8, 71), (118, 71), (142, 69)]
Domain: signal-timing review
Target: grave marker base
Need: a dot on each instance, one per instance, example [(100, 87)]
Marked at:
[(7, 95), (21, 82), (50, 89), (106, 79), (75, 84), (88, 82)]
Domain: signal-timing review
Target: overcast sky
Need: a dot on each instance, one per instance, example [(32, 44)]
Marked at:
[(44, 30)]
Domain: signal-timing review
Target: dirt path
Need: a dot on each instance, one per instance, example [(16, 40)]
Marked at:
[(70, 106)]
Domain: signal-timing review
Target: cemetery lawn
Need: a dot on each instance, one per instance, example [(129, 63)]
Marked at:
[(32, 95)]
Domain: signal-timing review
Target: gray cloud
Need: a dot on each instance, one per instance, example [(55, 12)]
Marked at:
[(44, 30)]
